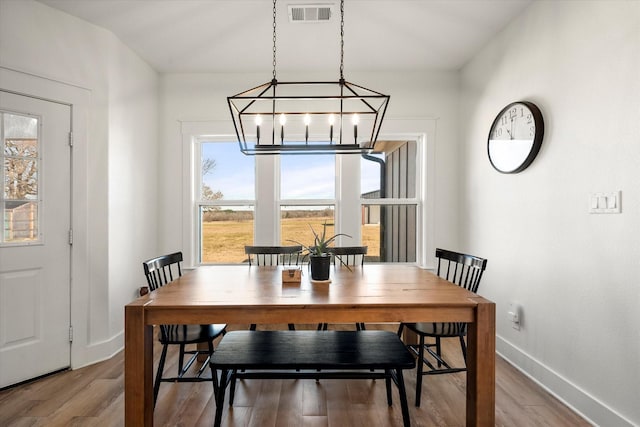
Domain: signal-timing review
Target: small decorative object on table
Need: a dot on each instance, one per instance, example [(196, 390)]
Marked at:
[(291, 275), (319, 258)]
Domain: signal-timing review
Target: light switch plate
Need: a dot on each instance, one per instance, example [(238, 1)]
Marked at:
[(602, 203)]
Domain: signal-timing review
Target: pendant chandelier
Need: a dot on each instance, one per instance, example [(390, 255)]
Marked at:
[(308, 117)]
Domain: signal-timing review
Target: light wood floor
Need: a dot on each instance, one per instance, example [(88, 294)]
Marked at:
[(94, 396)]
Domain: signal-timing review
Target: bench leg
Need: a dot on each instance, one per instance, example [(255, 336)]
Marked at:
[(232, 391), (224, 381), (403, 398), (387, 380)]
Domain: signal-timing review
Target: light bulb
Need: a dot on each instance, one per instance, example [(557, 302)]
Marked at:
[(258, 123), (307, 120), (332, 120), (283, 120), (355, 119)]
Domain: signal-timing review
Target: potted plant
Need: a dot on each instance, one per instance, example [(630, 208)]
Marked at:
[(319, 258)]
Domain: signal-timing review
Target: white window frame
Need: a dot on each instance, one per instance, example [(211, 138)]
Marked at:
[(267, 202)]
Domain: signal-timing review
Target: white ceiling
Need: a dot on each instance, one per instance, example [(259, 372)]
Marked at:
[(236, 35)]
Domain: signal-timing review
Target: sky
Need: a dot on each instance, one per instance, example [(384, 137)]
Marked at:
[(234, 174)]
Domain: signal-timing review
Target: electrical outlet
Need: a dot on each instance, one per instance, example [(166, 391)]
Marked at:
[(515, 315)]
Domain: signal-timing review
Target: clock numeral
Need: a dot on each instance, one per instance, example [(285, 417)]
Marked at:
[(532, 131), (503, 120), (529, 119)]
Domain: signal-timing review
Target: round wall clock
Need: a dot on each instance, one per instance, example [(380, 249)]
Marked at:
[(515, 137)]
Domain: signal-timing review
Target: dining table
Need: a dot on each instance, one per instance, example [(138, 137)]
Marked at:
[(376, 293)]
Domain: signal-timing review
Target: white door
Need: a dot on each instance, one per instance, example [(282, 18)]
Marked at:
[(35, 252)]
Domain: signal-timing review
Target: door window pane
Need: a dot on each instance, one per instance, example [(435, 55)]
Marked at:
[(20, 165)]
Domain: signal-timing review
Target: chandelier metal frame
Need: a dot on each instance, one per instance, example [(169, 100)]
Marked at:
[(323, 117)]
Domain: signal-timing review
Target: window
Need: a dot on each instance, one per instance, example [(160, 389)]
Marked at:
[(267, 200), (226, 200), (20, 159), (308, 177), (307, 196), (389, 202), (296, 223)]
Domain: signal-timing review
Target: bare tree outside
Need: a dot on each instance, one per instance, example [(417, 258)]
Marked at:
[(208, 166), (21, 169)]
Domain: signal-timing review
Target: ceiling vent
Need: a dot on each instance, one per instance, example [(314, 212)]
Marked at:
[(301, 13)]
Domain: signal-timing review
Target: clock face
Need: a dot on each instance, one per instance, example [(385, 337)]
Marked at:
[(515, 137)]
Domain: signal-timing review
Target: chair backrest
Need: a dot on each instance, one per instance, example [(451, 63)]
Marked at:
[(462, 269), (274, 255), (348, 255), (162, 270)]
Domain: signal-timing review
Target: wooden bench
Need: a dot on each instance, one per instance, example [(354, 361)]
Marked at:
[(311, 355)]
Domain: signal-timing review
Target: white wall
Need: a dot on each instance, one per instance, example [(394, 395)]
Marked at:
[(202, 98), (575, 274), (115, 163)]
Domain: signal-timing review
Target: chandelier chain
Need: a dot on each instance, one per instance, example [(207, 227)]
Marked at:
[(341, 39), (274, 39)]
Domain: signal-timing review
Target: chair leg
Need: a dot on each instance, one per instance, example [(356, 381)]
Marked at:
[(400, 329), (292, 327), (214, 375), (438, 351), (464, 349), (156, 385), (181, 360), (252, 327), (419, 371)]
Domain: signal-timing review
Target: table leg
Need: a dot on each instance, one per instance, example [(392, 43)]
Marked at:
[(138, 368), (481, 366)]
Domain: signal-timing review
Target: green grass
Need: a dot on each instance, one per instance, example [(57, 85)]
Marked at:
[(224, 241)]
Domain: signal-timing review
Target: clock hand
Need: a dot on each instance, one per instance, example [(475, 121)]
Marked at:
[(511, 133)]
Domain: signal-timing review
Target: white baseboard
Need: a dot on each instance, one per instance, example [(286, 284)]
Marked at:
[(581, 402), (98, 352)]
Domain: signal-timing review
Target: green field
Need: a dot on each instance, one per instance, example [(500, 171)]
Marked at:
[(224, 241)]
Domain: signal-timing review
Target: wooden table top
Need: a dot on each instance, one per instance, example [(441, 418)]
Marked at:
[(375, 287)]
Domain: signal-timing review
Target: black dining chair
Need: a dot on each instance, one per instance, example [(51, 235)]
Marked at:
[(160, 271), (346, 256), (465, 271), (273, 255)]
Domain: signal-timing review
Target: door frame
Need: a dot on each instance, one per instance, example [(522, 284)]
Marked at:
[(78, 99)]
